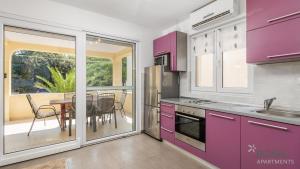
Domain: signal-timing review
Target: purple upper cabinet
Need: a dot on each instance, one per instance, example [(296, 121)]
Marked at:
[(261, 13), (174, 44), (275, 43), (161, 45), (223, 139), (269, 145)]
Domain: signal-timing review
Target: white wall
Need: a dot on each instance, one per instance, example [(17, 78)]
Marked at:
[(281, 80), (53, 13)]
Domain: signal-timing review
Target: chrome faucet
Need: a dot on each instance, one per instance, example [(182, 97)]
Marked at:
[(268, 103)]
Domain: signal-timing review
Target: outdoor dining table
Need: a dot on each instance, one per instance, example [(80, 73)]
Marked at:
[(63, 103)]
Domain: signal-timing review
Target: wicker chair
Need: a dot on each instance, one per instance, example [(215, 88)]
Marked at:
[(89, 111), (119, 105), (41, 112), (106, 105)]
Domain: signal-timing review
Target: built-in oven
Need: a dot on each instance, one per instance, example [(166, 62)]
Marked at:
[(190, 126)]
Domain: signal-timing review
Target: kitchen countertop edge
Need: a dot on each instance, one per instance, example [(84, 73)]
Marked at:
[(229, 108)]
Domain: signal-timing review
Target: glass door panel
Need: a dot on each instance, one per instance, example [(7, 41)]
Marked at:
[(110, 87), (39, 87)]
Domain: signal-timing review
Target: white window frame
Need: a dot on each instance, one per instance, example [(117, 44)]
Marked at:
[(193, 65), (218, 67)]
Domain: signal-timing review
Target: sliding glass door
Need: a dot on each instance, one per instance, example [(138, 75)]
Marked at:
[(39, 70), (49, 73), (110, 83)]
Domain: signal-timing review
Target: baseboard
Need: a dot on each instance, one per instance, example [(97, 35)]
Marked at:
[(198, 159)]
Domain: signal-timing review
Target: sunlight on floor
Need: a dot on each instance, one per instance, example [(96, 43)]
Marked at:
[(128, 119), (23, 127)]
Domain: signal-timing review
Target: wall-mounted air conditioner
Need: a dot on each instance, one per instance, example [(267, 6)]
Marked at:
[(216, 10)]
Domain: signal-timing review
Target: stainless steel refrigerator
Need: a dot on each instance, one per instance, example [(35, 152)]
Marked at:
[(159, 83)]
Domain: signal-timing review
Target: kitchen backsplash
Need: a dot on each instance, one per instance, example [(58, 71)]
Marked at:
[(281, 80)]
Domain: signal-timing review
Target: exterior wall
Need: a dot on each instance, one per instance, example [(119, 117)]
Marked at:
[(19, 108)]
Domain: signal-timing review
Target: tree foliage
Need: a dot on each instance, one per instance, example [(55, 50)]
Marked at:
[(30, 67), (60, 84)]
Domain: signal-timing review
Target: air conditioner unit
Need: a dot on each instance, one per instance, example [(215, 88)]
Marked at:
[(216, 10)]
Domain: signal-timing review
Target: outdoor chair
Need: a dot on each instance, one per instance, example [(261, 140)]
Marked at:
[(106, 106), (42, 112), (89, 111), (119, 105)]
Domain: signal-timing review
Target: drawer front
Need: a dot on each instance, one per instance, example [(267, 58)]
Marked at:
[(262, 13), (167, 108), (167, 134), (167, 121), (274, 43)]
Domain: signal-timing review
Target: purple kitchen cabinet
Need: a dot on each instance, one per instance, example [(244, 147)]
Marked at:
[(167, 108), (175, 45), (269, 145), (161, 45), (223, 142), (262, 13), (276, 43), (167, 122)]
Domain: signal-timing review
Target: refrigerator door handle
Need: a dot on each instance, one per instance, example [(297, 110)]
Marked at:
[(158, 116), (157, 98)]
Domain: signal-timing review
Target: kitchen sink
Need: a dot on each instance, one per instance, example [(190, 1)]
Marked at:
[(282, 113)]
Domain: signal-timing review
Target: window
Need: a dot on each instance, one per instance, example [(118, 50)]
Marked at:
[(204, 52), (221, 52)]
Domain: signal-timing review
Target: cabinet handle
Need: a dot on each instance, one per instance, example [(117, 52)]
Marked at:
[(169, 131), (168, 116), (283, 55), (268, 125), (283, 17), (224, 117)]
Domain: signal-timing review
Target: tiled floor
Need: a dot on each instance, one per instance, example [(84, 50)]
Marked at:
[(51, 133), (135, 152)]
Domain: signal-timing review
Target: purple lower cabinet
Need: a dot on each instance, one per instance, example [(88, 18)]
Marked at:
[(167, 135), (195, 151), (269, 145), (223, 142)]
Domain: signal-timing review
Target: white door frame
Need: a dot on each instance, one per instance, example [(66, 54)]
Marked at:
[(80, 92), (136, 108)]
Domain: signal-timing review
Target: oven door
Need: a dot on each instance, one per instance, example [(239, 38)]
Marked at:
[(190, 129)]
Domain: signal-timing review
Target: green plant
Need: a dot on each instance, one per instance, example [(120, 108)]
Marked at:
[(59, 84)]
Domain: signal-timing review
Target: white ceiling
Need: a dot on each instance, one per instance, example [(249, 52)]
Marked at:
[(148, 13)]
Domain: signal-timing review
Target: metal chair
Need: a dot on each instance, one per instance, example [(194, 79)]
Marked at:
[(119, 105), (89, 111), (106, 105), (41, 112)]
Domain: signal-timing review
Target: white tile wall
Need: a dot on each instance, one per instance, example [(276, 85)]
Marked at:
[(281, 80)]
